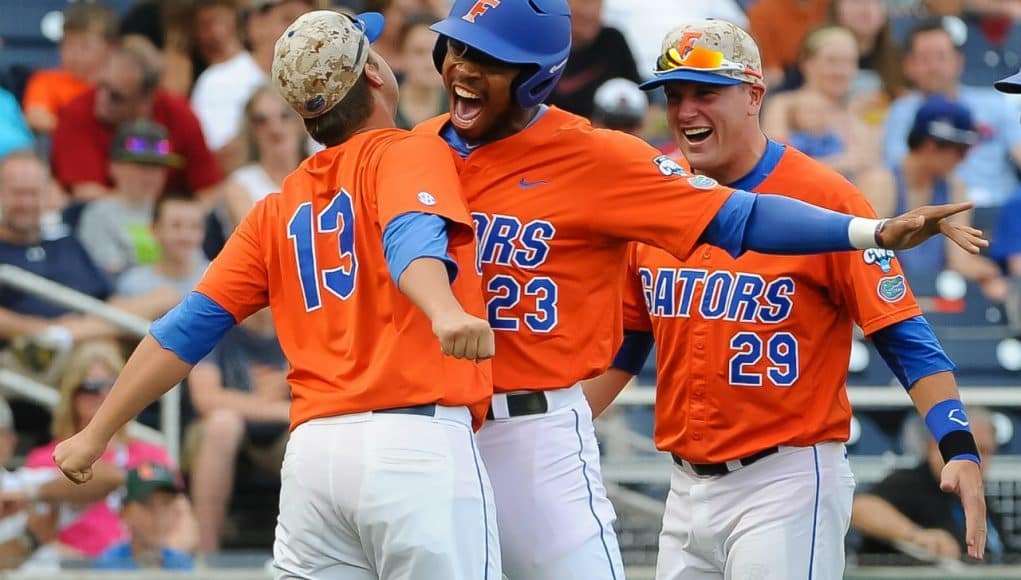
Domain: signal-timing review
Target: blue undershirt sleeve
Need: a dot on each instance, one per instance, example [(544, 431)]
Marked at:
[(634, 351), (775, 224), (415, 235), (911, 350), (192, 328)]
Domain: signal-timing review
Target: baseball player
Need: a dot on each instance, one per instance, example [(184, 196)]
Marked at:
[(753, 350), (381, 478), (555, 203)]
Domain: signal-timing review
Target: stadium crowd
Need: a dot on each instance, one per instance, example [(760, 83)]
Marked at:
[(135, 135)]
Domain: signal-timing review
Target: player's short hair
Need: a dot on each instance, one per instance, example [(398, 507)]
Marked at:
[(170, 197), (91, 17), (339, 123), (925, 26)]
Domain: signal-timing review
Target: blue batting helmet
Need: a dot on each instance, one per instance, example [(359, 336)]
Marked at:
[(525, 32)]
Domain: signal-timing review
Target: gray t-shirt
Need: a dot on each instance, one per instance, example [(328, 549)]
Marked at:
[(143, 279), (116, 235), (239, 350)]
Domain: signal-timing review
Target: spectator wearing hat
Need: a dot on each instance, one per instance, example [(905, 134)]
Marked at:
[(128, 90), (115, 230), (934, 64), (941, 136), (149, 512), (620, 105)]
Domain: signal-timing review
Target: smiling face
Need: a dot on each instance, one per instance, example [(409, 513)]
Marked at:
[(482, 105), (712, 123)]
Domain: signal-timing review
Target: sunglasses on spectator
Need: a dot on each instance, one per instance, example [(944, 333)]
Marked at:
[(95, 386), (463, 52), (116, 97), (141, 146), (700, 58)]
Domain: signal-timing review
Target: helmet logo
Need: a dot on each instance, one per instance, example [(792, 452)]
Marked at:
[(687, 42), (479, 8)]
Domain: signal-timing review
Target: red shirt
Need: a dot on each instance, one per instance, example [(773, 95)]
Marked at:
[(81, 144)]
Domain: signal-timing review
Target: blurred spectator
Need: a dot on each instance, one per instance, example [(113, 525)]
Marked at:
[(620, 105), (152, 498), (907, 511), (222, 90), (940, 137), (829, 62), (241, 395), (598, 53), (810, 130), (422, 95), (14, 132), (880, 78), (115, 230), (275, 143), (934, 64), (26, 523), (395, 12), (41, 330), (169, 26), (128, 91), (644, 29), (179, 226), (266, 21), (1006, 246), (92, 529), (779, 27), (90, 29)]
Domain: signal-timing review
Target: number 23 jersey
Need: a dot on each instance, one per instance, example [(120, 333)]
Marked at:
[(753, 352)]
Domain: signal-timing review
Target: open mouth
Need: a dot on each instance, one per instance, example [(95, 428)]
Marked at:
[(466, 108), (697, 135)]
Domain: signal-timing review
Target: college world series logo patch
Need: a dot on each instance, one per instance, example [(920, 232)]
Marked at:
[(892, 288), (879, 257), (668, 166)]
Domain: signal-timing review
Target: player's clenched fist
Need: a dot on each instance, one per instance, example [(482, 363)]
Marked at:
[(76, 455), (464, 336)]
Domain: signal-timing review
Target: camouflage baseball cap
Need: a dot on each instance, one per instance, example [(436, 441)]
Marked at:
[(320, 57), (708, 51)]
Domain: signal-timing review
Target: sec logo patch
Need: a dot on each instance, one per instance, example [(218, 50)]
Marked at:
[(892, 288), (702, 182), (426, 198)]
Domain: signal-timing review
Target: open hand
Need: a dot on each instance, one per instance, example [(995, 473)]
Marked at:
[(914, 227), (964, 478)]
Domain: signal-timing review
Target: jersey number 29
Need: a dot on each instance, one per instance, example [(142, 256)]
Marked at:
[(302, 229), (781, 351)]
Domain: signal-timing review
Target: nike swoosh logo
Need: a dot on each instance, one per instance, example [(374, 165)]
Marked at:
[(527, 184)]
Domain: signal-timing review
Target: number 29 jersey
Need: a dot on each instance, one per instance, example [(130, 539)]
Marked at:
[(314, 254), (753, 352)]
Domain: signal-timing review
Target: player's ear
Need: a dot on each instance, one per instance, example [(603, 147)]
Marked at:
[(372, 72), (755, 95)]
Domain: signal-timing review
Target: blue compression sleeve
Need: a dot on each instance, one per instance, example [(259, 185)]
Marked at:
[(634, 351), (414, 235), (192, 328), (911, 350), (774, 224)]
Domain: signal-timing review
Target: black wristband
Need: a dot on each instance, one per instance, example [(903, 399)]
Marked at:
[(956, 443)]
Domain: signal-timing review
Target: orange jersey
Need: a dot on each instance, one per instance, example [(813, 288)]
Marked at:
[(554, 208), (51, 89), (314, 254), (753, 352)]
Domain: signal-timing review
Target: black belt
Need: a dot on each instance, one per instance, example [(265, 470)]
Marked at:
[(518, 404), (423, 410), (721, 468)]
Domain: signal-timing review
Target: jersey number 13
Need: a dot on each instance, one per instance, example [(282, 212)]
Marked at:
[(302, 230)]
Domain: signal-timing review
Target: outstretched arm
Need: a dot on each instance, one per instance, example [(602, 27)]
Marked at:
[(775, 224)]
